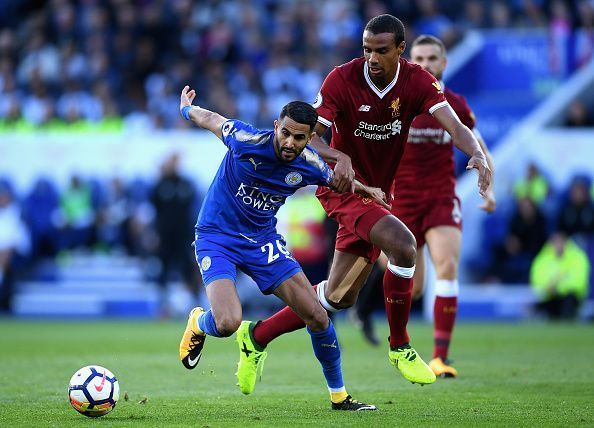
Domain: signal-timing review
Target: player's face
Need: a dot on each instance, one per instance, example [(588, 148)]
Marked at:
[(290, 138), (382, 55), (430, 57)]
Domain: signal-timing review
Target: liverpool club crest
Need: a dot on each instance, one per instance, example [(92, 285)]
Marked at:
[(395, 106)]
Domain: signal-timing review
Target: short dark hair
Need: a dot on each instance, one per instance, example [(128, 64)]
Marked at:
[(426, 39), (387, 24), (300, 112)]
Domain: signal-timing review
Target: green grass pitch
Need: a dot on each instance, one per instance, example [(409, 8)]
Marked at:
[(511, 375)]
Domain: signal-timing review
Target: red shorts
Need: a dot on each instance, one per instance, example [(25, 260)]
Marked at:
[(355, 216), (421, 215)]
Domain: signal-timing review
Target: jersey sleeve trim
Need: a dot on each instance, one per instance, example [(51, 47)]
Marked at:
[(437, 106), (324, 122)]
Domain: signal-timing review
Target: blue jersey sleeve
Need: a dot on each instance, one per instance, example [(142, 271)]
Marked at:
[(238, 135), (315, 161)]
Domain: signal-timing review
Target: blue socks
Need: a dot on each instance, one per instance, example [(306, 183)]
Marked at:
[(327, 351), (206, 323)]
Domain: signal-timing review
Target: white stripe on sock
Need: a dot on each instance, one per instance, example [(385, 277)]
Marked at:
[(404, 272), (446, 288), (322, 298)]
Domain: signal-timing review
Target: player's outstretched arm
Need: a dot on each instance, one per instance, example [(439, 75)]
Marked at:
[(202, 117), (489, 201), (464, 139), (374, 193), (343, 169)]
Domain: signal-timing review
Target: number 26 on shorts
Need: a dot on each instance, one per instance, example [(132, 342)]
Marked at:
[(272, 254)]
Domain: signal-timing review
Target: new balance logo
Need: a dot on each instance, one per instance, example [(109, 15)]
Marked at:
[(364, 107), (331, 345)]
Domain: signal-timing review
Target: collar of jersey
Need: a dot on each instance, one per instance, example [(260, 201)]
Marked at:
[(378, 92)]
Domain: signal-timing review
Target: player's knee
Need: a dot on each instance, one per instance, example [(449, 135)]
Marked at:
[(403, 249), (405, 254), (447, 268), (227, 325), (317, 320), (409, 253)]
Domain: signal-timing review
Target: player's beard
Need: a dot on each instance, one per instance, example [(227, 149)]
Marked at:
[(288, 152), (282, 150)]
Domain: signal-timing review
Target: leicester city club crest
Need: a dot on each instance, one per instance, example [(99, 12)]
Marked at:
[(293, 178), (205, 263)]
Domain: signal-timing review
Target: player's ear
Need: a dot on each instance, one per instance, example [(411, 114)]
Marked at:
[(314, 133), (401, 47), (275, 125)]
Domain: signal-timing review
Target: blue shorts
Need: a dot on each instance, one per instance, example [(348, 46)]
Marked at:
[(267, 260)]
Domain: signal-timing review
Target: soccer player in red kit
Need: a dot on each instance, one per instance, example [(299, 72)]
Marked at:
[(425, 200), (370, 103)]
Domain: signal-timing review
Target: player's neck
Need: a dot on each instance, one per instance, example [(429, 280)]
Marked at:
[(382, 82)]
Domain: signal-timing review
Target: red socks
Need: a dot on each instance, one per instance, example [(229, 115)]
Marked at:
[(284, 321), (444, 317), (398, 298)]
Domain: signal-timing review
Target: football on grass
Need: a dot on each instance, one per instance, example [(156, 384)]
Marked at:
[(93, 391)]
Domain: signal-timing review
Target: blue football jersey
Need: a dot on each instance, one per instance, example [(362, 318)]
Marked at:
[(251, 183)]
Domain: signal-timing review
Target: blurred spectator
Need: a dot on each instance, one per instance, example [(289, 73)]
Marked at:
[(578, 115), (301, 222), (534, 186), (576, 216), (434, 23), (500, 15), (474, 15), (559, 275), (112, 215), (77, 215), (174, 199), (40, 212), (525, 237), (14, 240)]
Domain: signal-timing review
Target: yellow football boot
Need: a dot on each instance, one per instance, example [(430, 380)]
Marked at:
[(190, 347), (442, 368), (410, 364)]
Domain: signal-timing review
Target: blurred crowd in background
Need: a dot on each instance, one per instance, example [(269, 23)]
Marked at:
[(109, 64)]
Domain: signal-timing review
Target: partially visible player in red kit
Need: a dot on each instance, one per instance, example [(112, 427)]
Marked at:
[(425, 200), (370, 103)]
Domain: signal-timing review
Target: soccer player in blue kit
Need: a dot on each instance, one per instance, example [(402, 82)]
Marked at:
[(237, 228)]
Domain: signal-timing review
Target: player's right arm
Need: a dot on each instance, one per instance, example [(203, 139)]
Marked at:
[(202, 117), (328, 104), (374, 193)]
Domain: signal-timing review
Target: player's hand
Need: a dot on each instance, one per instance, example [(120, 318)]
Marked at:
[(479, 162), (374, 193), (489, 202), (187, 96), (344, 175)]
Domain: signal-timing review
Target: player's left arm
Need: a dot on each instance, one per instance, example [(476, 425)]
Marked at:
[(200, 116), (465, 140), (490, 202)]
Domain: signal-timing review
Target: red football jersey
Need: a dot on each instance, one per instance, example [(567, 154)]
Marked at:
[(371, 125), (427, 169)]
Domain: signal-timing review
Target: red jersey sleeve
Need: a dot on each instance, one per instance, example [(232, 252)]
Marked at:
[(328, 101), (430, 92)]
